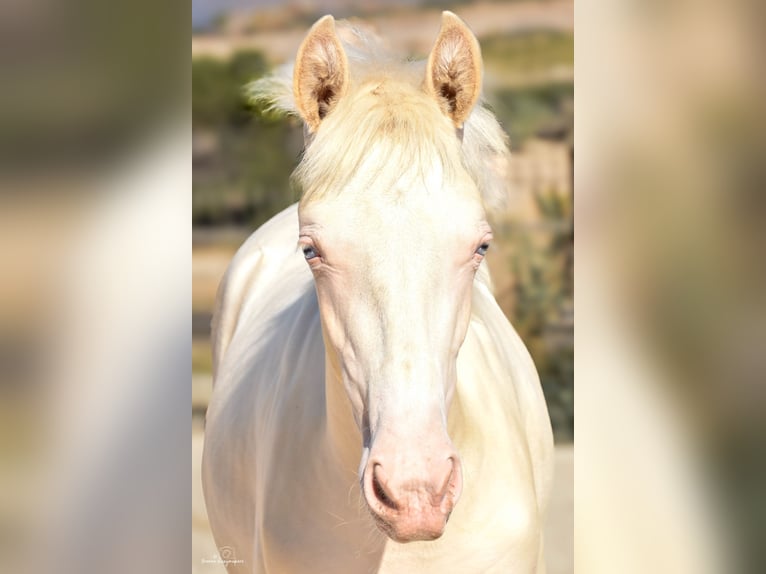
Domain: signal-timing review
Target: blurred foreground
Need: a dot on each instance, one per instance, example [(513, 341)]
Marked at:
[(670, 287)]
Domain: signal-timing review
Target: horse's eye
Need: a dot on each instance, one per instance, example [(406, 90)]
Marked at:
[(483, 248), (310, 253)]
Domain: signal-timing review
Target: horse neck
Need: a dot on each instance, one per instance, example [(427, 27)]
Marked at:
[(343, 439)]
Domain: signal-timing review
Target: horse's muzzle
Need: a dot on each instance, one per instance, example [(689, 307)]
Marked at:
[(413, 501)]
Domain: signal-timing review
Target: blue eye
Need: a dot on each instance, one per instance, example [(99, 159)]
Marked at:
[(310, 253), (483, 248)]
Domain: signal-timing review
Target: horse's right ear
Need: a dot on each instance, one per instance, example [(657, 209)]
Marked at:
[(320, 77), (453, 73)]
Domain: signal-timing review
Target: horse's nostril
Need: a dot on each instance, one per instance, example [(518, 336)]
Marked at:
[(447, 481), (380, 492)]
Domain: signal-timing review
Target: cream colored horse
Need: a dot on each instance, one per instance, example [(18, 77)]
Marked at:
[(368, 389)]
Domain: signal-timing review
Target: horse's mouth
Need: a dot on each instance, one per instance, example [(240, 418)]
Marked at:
[(406, 533), (382, 525)]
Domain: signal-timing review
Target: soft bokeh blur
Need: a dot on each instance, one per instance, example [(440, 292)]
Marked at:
[(243, 157), (670, 285), (95, 200)]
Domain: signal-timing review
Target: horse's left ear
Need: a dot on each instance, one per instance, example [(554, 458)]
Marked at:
[(320, 77), (453, 74)]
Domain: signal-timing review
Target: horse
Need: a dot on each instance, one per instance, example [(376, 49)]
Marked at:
[(373, 410)]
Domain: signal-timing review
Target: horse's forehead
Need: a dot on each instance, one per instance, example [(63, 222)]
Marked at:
[(396, 209), (390, 232)]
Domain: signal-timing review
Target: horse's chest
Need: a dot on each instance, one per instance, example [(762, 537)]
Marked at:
[(317, 536), (328, 530)]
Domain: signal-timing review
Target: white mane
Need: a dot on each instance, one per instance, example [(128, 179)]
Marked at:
[(385, 105)]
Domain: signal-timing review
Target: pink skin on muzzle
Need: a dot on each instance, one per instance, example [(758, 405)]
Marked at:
[(411, 494)]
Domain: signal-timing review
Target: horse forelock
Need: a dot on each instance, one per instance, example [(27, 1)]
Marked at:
[(385, 108)]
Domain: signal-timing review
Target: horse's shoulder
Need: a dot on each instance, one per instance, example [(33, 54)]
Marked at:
[(260, 270)]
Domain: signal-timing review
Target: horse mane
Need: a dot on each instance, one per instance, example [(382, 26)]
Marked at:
[(413, 137)]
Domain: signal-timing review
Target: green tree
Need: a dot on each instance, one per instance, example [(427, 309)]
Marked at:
[(242, 175)]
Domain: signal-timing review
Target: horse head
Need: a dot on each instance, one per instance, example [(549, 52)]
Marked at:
[(393, 228)]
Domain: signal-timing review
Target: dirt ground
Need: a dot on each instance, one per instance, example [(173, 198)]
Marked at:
[(559, 533)]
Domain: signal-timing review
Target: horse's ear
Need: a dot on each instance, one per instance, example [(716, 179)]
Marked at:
[(320, 77), (453, 75)]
